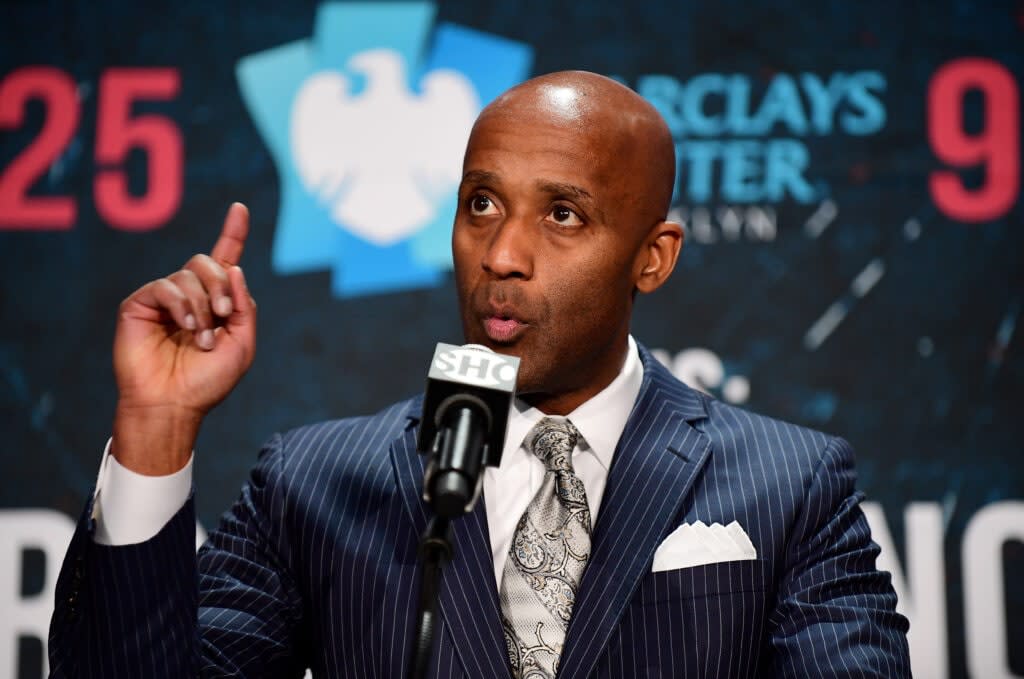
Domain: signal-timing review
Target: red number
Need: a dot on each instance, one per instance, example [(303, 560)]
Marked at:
[(19, 210), (996, 146), (118, 132)]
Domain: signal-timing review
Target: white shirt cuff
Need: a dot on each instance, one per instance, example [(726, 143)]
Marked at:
[(129, 507)]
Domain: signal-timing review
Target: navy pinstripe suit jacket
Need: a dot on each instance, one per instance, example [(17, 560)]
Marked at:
[(315, 565)]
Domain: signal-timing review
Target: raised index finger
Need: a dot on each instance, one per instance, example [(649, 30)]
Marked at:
[(227, 251)]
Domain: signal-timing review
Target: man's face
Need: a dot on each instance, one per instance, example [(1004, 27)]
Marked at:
[(546, 250)]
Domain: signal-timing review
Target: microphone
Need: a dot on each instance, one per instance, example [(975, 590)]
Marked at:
[(465, 414)]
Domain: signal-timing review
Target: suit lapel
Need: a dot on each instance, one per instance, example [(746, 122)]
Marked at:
[(469, 600), (409, 467), (656, 462), (468, 596)]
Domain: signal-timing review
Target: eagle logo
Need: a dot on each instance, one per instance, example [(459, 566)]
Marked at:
[(381, 160), (366, 122)]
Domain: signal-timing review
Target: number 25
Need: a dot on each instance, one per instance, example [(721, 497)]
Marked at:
[(118, 132)]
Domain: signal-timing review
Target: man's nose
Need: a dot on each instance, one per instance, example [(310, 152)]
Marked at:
[(510, 251)]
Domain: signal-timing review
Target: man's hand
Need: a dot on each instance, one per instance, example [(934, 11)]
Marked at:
[(181, 345)]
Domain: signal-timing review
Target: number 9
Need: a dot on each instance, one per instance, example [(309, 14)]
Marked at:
[(996, 146)]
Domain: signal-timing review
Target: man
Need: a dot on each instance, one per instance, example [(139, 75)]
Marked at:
[(561, 222)]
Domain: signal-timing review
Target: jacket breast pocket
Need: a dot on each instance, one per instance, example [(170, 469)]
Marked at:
[(704, 621), (710, 580)]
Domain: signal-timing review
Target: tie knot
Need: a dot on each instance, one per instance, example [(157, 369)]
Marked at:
[(553, 442)]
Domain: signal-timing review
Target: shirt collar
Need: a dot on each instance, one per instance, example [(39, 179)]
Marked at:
[(600, 420)]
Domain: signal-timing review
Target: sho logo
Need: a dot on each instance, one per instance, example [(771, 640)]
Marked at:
[(367, 123), (474, 366)]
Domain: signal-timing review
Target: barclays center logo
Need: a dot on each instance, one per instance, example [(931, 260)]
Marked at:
[(367, 122)]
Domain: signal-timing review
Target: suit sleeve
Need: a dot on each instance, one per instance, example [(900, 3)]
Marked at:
[(156, 609), (835, 614)]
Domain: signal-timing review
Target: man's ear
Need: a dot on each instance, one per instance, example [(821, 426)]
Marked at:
[(658, 255)]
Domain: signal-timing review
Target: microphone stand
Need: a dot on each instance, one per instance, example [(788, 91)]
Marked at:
[(434, 552), (451, 486)]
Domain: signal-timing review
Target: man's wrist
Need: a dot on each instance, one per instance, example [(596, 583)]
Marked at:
[(154, 440)]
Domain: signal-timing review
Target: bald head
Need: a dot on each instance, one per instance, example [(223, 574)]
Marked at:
[(620, 124)]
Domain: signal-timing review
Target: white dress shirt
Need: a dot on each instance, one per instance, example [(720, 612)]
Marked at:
[(509, 488), (130, 508)]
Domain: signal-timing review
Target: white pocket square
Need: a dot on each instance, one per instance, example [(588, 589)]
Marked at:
[(697, 544)]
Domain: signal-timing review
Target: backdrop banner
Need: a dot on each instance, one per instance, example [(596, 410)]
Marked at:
[(849, 178)]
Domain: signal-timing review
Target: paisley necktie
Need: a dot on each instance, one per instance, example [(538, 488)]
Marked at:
[(547, 558)]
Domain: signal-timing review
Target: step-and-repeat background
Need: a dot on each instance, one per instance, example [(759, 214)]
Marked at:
[(849, 179)]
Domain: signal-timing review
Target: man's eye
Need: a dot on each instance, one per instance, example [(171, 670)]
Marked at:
[(564, 216), (482, 205)]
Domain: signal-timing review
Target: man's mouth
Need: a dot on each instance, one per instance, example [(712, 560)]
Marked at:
[(503, 329)]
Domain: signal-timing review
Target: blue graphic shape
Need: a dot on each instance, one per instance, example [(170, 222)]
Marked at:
[(307, 238), (345, 29)]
